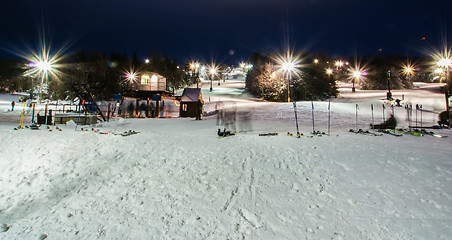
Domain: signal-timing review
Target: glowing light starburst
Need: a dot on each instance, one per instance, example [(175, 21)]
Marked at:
[(43, 64), (408, 69), (213, 69), (356, 74), (131, 76), (289, 63), (443, 60)]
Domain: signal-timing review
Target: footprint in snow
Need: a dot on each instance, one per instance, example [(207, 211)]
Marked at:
[(4, 227)]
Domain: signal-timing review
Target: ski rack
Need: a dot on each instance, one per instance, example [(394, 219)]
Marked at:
[(83, 93)]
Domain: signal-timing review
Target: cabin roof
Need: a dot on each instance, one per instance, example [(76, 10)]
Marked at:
[(191, 95)]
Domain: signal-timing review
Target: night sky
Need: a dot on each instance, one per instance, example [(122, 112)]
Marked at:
[(210, 29)]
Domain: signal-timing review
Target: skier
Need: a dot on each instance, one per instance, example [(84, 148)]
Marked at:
[(12, 105)]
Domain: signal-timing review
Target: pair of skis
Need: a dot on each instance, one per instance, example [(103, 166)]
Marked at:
[(361, 131), (314, 132)]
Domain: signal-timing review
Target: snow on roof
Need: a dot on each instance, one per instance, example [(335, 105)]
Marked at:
[(191, 95)]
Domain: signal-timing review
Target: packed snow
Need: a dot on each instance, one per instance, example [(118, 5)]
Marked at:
[(176, 179)]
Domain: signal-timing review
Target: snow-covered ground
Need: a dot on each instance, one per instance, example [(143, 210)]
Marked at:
[(177, 180)]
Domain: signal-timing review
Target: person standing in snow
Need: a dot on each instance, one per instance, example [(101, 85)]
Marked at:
[(12, 105)]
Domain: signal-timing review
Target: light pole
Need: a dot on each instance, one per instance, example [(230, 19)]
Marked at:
[(409, 71), (212, 73), (389, 94), (288, 67), (356, 76), (44, 67), (446, 63), (288, 63)]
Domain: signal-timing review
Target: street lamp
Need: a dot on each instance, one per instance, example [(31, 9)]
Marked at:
[(445, 63), (212, 71), (194, 66), (408, 70), (42, 67), (356, 76), (288, 66)]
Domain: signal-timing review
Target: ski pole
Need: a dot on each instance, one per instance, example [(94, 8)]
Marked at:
[(393, 114), (420, 108), (80, 113), (312, 107), (373, 126), (356, 117), (417, 107), (329, 115), (410, 114), (296, 116)]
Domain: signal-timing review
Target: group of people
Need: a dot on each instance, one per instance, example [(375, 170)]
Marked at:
[(142, 109)]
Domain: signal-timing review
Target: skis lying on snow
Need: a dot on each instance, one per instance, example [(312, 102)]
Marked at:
[(268, 134), (318, 133), (430, 133), (412, 133), (298, 135), (124, 134), (365, 132), (425, 132), (390, 132), (96, 131)]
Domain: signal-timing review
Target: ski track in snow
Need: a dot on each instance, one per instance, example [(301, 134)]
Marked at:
[(177, 180)]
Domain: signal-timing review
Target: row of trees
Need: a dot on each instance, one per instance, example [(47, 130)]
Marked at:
[(105, 76), (267, 81), (317, 77)]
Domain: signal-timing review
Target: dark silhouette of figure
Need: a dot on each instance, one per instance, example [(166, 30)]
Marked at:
[(390, 123)]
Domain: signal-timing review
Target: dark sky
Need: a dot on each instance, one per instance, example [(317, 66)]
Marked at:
[(209, 29)]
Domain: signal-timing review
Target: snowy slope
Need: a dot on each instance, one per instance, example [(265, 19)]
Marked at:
[(177, 180)]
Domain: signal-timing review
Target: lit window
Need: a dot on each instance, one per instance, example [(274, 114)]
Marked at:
[(145, 79)]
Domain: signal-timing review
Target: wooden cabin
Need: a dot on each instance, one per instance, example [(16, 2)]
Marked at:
[(150, 81), (191, 103)]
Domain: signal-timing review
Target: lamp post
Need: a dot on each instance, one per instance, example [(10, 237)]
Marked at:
[(389, 94), (446, 63), (212, 73), (288, 67), (356, 76), (409, 71), (44, 67)]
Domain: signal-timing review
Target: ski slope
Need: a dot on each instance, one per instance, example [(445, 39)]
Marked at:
[(177, 179)]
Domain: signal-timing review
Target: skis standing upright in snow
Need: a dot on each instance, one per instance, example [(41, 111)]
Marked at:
[(329, 115), (296, 116), (373, 124), (313, 121), (356, 117)]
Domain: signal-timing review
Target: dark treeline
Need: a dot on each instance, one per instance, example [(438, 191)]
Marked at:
[(104, 76)]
